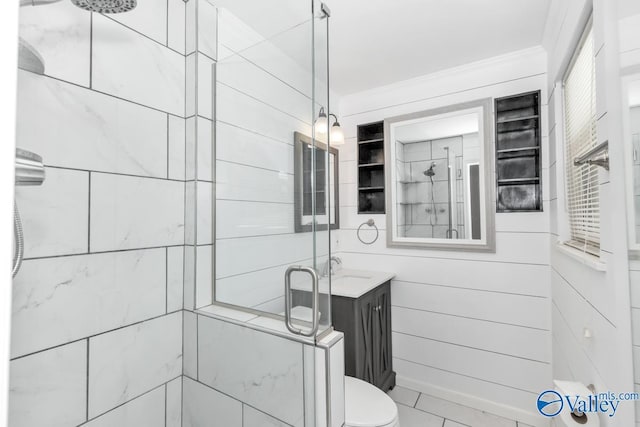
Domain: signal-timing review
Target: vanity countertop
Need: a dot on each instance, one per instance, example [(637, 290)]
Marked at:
[(350, 283)]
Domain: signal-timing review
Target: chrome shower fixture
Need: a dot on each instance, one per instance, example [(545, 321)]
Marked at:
[(106, 6), (430, 172), (99, 6)]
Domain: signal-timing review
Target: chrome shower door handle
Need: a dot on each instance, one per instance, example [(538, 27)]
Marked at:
[(315, 298)]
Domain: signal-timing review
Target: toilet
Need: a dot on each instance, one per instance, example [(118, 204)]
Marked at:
[(368, 406)]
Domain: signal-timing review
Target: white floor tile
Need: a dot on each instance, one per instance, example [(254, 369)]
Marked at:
[(449, 423), (404, 396), (410, 417), (459, 413)]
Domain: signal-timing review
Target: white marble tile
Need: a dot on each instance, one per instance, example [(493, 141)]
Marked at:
[(207, 28), (404, 396), (202, 406), (154, 75), (176, 31), (190, 82), (205, 149), (191, 138), (191, 35), (190, 344), (262, 370), (174, 402), (177, 152), (190, 217), (248, 183), (237, 145), (147, 410), (204, 276), (60, 33), (410, 417), (128, 362), (149, 18), (175, 278), (58, 300), (131, 212), (459, 413), (253, 418), (49, 388), (55, 215), (189, 277), (82, 129), (205, 213), (205, 86)]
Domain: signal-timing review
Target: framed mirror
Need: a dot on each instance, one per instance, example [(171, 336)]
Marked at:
[(326, 194), (631, 122), (440, 178)]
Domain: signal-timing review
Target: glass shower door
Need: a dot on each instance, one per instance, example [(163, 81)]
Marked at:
[(273, 192)]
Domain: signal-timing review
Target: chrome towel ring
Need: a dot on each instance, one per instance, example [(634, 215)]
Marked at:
[(370, 223)]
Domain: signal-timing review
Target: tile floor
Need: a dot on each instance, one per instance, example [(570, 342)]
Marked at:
[(421, 410)]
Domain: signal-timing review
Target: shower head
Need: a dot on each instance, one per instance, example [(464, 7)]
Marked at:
[(430, 171), (106, 6), (100, 6)]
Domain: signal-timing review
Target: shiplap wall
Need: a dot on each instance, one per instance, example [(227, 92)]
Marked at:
[(583, 297), (97, 322), (472, 327)]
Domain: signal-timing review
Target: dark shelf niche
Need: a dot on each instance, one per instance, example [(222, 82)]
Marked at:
[(371, 173), (518, 167)]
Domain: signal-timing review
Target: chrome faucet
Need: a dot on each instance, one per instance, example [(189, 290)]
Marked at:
[(328, 266)]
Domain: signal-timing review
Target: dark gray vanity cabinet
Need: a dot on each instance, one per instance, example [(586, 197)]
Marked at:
[(366, 324)]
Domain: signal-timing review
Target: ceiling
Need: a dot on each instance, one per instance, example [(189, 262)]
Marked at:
[(379, 42)]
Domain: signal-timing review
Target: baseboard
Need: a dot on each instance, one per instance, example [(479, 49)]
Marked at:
[(475, 402)]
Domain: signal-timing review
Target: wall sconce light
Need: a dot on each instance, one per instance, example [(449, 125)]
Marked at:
[(336, 136)]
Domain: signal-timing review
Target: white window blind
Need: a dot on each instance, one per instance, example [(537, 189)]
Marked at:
[(583, 204)]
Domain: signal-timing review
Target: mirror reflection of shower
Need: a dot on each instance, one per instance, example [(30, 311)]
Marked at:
[(432, 211), (434, 187)]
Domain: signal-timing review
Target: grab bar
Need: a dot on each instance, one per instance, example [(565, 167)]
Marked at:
[(315, 298)]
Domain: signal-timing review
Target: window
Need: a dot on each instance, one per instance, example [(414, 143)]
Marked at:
[(583, 204)]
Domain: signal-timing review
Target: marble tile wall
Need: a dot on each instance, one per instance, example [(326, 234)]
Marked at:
[(201, 50), (98, 305), (255, 380)]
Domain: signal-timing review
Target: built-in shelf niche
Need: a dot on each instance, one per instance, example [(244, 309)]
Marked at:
[(371, 180), (518, 168)]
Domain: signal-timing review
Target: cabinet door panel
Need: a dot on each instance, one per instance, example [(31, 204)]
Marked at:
[(367, 323)]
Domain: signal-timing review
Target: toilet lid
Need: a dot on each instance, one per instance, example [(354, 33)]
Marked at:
[(367, 405)]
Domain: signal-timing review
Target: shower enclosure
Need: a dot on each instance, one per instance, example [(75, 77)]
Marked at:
[(161, 252), (271, 83)]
